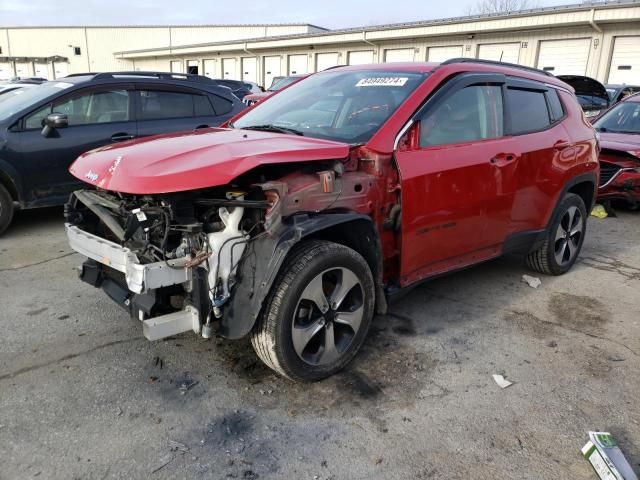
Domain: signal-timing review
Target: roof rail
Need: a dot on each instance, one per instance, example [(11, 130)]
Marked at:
[(86, 74), (496, 63), (159, 75)]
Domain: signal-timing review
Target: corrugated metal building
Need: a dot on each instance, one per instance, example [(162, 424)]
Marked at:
[(601, 40)]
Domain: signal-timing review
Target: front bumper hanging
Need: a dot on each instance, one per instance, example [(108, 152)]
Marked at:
[(140, 279)]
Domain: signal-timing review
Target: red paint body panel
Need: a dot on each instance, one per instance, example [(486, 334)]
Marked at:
[(194, 160)]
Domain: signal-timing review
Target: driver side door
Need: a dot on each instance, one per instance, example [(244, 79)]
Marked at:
[(458, 178), (97, 116)]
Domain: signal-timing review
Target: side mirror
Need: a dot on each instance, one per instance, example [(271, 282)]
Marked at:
[(54, 121)]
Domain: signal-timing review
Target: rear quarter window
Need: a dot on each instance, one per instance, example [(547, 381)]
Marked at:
[(221, 105), (528, 110), (555, 105)]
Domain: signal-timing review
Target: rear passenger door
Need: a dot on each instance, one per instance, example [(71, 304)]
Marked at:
[(166, 108), (543, 147)]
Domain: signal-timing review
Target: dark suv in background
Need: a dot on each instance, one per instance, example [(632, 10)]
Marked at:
[(45, 128)]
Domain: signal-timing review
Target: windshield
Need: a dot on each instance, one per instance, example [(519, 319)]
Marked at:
[(16, 100), (612, 93), (345, 106), (623, 118), (283, 82)]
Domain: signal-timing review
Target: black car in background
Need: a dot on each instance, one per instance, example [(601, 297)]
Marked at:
[(43, 129), (591, 94), (620, 92), (239, 88)]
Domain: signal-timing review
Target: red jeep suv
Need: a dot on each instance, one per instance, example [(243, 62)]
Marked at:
[(296, 223)]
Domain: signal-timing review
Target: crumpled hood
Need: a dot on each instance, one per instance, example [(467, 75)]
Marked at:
[(193, 160)]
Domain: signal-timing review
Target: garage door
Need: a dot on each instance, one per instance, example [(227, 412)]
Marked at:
[(229, 68), (250, 69), (272, 68), (23, 70), (399, 55), (625, 62), (360, 58), (500, 52), (298, 64), (61, 69), (440, 54), (209, 68), (326, 60), (42, 70), (6, 71), (564, 57), (176, 66)]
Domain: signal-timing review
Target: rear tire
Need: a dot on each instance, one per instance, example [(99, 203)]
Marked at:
[(318, 313), (6, 209), (564, 238)]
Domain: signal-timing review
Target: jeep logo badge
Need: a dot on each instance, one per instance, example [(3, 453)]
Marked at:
[(91, 175)]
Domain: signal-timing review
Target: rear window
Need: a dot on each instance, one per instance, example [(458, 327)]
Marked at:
[(158, 104), (528, 110)]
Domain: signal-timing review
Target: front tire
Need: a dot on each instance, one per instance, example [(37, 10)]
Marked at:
[(6, 209), (318, 313), (564, 238)]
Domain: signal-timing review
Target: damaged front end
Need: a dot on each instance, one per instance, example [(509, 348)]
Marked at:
[(619, 177), (204, 260), (168, 259)]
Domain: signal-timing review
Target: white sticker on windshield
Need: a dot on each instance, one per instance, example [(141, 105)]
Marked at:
[(382, 82), (63, 85)]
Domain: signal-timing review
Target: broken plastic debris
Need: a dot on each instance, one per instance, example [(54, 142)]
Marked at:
[(599, 211), (502, 383), (533, 282)]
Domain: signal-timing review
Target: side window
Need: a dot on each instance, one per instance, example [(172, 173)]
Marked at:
[(555, 105), (36, 118), (472, 113), (221, 105), (528, 110), (96, 107), (159, 104)]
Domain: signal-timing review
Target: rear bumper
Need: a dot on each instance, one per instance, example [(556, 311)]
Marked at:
[(140, 278)]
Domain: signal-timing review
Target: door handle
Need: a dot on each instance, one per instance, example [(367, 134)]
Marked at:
[(121, 136), (561, 145), (199, 127), (503, 158)]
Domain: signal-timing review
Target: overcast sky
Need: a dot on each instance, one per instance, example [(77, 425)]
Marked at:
[(325, 13)]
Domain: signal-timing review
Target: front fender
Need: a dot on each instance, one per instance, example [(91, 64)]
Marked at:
[(262, 262)]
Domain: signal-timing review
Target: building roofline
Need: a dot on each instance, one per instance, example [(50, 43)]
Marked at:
[(186, 25), (574, 7)]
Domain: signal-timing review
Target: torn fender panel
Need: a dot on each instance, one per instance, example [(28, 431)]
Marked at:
[(255, 276)]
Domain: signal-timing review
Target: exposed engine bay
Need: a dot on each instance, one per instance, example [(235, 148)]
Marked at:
[(173, 259)]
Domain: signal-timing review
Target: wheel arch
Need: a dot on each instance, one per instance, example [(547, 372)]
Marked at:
[(8, 181), (258, 272)]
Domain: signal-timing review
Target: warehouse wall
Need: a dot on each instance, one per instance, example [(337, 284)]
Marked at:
[(525, 45), (98, 44)]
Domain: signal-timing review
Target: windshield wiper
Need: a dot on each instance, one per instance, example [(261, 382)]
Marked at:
[(274, 128)]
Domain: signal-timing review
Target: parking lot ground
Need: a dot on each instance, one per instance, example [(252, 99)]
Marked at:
[(84, 395)]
